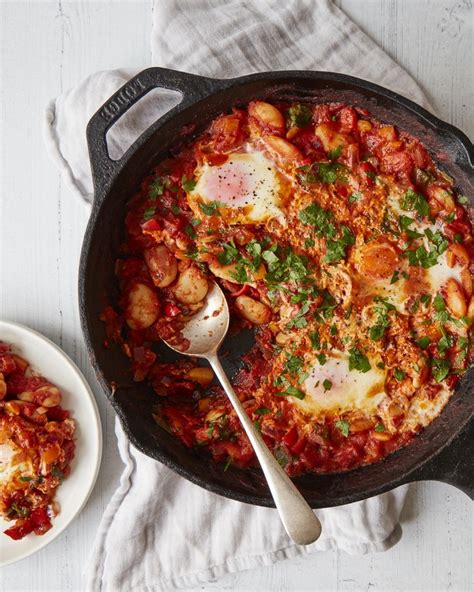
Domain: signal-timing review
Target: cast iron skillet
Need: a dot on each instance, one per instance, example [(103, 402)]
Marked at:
[(443, 451)]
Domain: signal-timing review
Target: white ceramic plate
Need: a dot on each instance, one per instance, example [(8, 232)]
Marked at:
[(51, 362)]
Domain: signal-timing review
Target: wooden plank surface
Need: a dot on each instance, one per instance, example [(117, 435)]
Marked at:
[(46, 47)]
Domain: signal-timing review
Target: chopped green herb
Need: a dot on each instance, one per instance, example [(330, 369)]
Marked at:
[(229, 254), (444, 343), (440, 369), (293, 364), (299, 115), (56, 472), (343, 426), (187, 184), (356, 196), (458, 238), (423, 342), (463, 199), (395, 277), (149, 213), (156, 188), (327, 384), (322, 359), (291, 391), (189, 230), (262, 411), (379, 427), (309, 243), (315, 340), (211, 208), (175, 209), (336, 249), (399, 374), (358, 361), (228, 463), (336, 153), (26, 479), (412, 200)]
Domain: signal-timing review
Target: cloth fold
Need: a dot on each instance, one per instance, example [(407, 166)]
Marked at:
[(159, 530)]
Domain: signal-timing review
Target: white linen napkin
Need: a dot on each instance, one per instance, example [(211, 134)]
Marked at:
[(159, 530)]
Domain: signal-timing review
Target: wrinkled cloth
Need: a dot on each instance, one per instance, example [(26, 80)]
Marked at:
[(160, 531)]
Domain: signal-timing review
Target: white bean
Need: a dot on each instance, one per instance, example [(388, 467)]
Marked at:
[(455, 298), (143, 307), (254, 311), (191, 286), (162, 264)]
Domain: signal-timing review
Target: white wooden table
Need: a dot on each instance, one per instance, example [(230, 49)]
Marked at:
[(46, 47)]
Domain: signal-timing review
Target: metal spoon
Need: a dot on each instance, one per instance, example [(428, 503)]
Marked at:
[(205, 332)]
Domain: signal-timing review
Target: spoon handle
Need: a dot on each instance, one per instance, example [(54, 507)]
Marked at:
[(299, 520)]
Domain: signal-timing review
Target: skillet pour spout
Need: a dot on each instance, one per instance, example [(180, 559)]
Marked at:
[(443, 451)]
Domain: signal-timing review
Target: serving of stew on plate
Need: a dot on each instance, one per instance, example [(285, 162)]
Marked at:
[(341, 244)]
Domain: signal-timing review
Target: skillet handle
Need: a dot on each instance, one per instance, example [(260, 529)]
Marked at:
[(104, 168), (454, 464)]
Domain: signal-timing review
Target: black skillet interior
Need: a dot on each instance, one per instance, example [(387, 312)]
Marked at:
[(441, 452)]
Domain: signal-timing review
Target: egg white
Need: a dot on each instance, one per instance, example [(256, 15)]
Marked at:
[(350, 389), (247, 188)]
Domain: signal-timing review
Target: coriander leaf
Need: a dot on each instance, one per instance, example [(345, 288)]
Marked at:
[(262, 411), (462, 199), (379, 427)]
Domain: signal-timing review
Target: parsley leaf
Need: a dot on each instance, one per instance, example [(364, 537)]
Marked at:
[(336, 249), (229, 254), (358, 361), (262, 411), (156, 188), (399, 374), (379, 427), (356, 196), (423, 342), (411, 200), (149, 213), (343, 426), (291, 391), (336, 153), (327, 384), (299, 115), (187, 184), (440, 369), (211, 208)]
